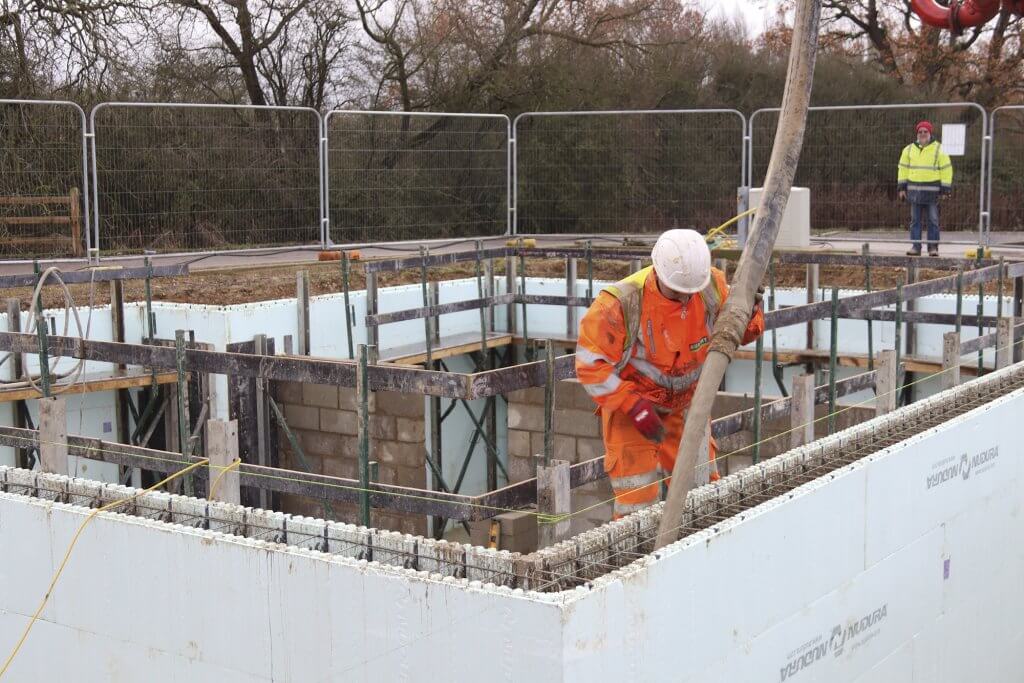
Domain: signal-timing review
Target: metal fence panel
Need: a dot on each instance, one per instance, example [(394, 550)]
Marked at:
[(850, 158), (187, 177), (43, 180), (404, 176), (1005, 185), (627, 171)]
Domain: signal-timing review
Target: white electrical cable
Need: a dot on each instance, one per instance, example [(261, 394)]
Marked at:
[(36, 315)]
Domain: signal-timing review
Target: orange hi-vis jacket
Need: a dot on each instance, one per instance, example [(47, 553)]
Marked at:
[(636, 343)]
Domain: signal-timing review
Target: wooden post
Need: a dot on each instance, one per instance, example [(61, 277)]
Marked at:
[(222, 450), (801, 415), (553, 500), (1004, 342), (302, 310), (53, 435), (75, 217), (886, 374), (950, 360)]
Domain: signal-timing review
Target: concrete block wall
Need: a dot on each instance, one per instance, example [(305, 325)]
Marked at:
[(577, 432), (325, 423)]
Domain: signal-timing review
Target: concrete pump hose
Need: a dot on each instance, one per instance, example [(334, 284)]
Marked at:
[(753, 263)]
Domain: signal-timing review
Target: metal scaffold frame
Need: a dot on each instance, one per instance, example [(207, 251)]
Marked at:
[(497, 374)]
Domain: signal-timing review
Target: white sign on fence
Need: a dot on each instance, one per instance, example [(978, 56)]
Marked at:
[(954, 139)]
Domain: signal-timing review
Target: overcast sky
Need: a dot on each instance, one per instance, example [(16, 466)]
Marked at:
[(754, 12)]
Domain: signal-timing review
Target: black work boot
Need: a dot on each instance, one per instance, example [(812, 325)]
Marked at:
[(933, 250)]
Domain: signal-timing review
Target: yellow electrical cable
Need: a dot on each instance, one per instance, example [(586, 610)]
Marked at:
[(223, 470), (723, 226), (67, 555)]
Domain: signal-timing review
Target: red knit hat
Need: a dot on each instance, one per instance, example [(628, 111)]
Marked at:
[(924, 124)]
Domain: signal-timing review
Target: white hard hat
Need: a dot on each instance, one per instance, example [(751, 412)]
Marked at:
[(682, 261)]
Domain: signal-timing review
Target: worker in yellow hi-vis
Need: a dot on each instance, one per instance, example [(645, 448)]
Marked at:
[(925, 174)]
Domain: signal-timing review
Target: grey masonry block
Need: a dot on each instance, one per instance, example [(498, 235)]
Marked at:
[(588, 449), (323, 444), (521, 468), (528, 417), (320, 395), (399, 453), (344, 466), (348, 399), (409, 477), (410, 429), (382, 427), (339, 421), (302, 417), (288, 392), (519, 443), (534, 395), (577, 423), (399, 405)]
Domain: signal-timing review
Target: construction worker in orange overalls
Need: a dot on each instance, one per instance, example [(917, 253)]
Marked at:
[(641, 347)]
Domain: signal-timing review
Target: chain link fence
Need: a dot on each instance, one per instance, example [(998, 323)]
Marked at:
[(43, 180), (627, 172), (1006, 169), (191, 177), (413, 176), (850, 159)]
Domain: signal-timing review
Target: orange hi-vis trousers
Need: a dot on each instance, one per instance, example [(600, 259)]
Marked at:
[(636, 466)]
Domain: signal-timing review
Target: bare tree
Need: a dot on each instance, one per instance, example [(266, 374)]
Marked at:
[(284, 51)]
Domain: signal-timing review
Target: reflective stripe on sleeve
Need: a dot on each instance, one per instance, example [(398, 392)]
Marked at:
[(602, 388)]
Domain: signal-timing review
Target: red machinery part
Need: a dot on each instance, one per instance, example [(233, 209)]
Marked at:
[(962, 14)]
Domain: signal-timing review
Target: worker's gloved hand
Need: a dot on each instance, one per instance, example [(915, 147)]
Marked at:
[(645, 419), (903, 195)]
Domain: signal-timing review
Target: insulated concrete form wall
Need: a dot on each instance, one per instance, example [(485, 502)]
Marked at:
[(903, 566)]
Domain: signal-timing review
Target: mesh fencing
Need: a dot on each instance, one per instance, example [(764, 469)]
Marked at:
[(397, 176), (1006, 177), (205, 177), (627, 172), (42, 180), (850, 159)]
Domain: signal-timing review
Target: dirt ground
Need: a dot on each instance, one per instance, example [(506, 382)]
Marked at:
[(242, 285)]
